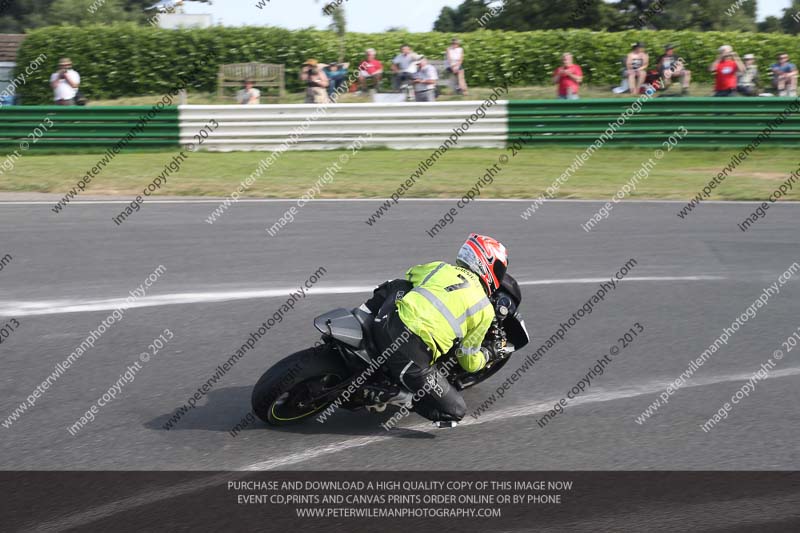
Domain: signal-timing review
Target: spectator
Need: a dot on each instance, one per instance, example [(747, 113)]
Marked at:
[(249, 95), (425, 79), (568, 78), (636, 67), (784, 76), (671, 67), (404, 66), (747, 84), (65, 83), (454, 62), (370, 70), (316, 82), (726, 66), (337, 78)]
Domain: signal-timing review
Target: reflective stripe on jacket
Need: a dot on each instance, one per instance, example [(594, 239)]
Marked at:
[(448, 304)]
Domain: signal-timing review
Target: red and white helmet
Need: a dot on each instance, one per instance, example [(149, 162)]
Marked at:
[(485, 257)]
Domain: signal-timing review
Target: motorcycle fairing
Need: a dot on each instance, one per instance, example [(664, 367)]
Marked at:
[(342, 326)]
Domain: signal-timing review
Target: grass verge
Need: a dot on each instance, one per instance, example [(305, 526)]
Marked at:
[(378, 173)]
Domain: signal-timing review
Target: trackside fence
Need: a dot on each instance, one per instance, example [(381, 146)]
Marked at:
[(711, 122), (80, 127)]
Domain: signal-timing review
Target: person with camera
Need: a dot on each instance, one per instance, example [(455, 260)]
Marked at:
[(727, 67), (65, 83), (568, 78), (316, 82), (425, 81)]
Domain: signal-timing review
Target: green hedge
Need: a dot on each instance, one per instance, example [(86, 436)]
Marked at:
[(129, 60)]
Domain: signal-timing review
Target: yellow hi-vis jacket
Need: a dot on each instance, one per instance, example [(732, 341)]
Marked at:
[(447, 305)]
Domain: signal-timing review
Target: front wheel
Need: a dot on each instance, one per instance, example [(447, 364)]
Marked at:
[(285, 393)]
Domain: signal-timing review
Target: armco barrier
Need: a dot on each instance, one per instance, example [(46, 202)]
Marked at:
[(75, 126), (393, 125), (710, 121)]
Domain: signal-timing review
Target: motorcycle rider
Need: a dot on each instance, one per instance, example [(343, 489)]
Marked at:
[(442, 306)]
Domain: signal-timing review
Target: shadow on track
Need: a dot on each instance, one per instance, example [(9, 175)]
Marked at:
[(228, 410)]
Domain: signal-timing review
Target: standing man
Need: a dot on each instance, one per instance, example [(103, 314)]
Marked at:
[(316, 82), (568, 78), (425, 81), (455, 64), (65, 83), (727, 67)]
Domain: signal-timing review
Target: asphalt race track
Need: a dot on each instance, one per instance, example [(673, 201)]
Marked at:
[(693, 278)]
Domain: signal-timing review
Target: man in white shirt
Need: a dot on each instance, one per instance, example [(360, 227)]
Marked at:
[(249, 95), (425, 81), (65, 83), (455, 64)]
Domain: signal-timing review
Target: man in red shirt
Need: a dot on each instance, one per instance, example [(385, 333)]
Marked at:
[(727, 67), (370, 69), (568, 77)]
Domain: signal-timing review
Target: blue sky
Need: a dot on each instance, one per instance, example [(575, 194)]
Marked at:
[(362, 15)]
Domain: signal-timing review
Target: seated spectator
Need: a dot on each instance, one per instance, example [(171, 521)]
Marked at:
[(425, 79), (316, 82), (747, 84), (249, 95), (370, 71), (568, 78), (636, 67), (65, 83), (671, 67), (726, 66), (653, 82), (784, 76), (337, 78), (454, 61), (404, 66)]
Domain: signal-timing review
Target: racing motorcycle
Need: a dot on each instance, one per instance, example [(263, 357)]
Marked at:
[(309, 381)]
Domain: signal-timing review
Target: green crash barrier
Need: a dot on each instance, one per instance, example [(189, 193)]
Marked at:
[(103, 127), (710, 121)]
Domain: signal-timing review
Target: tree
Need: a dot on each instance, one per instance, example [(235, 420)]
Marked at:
[(790, 22), (771, 25), (21, 15), (338, 24), (83, 12), (700, 15), (526, 15), (466, 17)]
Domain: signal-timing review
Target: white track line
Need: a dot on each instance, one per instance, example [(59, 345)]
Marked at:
[(379, 200), (12, 308), (149, 497)]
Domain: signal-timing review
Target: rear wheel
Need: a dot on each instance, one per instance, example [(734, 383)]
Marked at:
[(285, 393)]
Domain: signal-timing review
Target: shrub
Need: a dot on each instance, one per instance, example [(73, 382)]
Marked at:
[(129, 60)]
